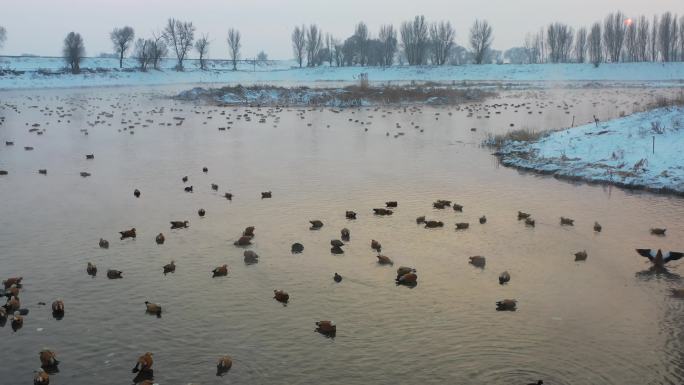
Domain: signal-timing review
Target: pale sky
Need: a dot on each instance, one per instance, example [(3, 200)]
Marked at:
[(39, 26)]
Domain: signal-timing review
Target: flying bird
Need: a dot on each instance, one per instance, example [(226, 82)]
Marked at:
[(658, 258)]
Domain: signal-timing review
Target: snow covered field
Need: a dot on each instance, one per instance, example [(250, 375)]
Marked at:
[(618, 151), (36, 73)]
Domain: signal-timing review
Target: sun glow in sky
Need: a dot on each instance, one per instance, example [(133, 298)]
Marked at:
[(38, 26)]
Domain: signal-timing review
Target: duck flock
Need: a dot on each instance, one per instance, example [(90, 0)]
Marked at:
[(406, 276)]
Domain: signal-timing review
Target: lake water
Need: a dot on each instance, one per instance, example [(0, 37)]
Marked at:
[(604, 321)]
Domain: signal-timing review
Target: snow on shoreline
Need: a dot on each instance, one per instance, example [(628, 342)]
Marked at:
[(34, 74), (617, 152)]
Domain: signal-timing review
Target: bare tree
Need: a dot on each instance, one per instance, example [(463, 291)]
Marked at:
[(613, 35), (581, 45), (141, 53), (122, 38), (73, 51), (262, 57), (157, 49), (415, 39), (631, 48), (314, 43), (595, 45), (3, 36), (202, 47), (642, 38), (234, 45), (179, 36), (681, 39), (388, 38), (361, 38), (666, 35), (299, 43), (559, 37), (480, 40), (653, 41), (442, 38)]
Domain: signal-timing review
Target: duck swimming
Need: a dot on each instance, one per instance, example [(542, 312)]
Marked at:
[(327, 328), (114, 274), (153, 308), (127, 233), (522, 215), (48, 359), (266, 194), (581, 255), (350, 215), (136, 193), (344, 234), (658, 258), (144, 363), (337, 278), (506, 305), (104, 244), (297, 248), (179, 224), (58, 308), (597, 227), (243, 241), (504, 278), (250, 257), (41, 378), (433, 224), (382, 212), (281, 296), (91, 269), (384, 260), (375, 245), (315, 224), (477, 261), (170, 267), (220, 271), (567, 221), (160, 239), (224, 364), (658, 231)]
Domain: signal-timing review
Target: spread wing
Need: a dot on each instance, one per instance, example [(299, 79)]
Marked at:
[(646, 253), (673, 256)]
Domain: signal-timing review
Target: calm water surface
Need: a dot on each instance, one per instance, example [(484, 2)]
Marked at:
[(605, 321)]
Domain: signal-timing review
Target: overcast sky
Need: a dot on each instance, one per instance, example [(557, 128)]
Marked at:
[(39, 26)]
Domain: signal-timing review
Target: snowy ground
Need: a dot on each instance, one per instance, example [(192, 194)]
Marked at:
[(618, 151), (36, 73)]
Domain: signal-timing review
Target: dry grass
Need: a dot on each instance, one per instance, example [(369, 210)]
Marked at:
[(519, 135), (662, 101)]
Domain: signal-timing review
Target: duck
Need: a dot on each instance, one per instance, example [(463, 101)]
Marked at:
[(326, 327), (420, 220), (104, 244), (658, 231), (375, 245), (136, 193), (408, 279), (581, 255), (187, 189), (266, 194), (85, 174), (658, 258), (297, 248), (250, 257), (504, 277), (3, 315), (522, 215), (529, 222), (160, 239), (127, 233), (567, 221), (205, 170), (184, 179), (153, 308), (170, 267), (12, 281), (224, 364), (249, 231), (90, 156), (402, 270), (228, 196), (281, 296), (441, 204), (41, 378), (350, 215), (12, 291), (477, 261), (13, 304), (48, 359), (179, 224), (462, 225), (58, 307), (201, 212), (220, 271), (315, 224), (382, 212), (42, 171), (336, 243), (214, 186), (384, 260), (540, 382), (114, 274), (483, 220), (433, 224), (391, 204), (597, 227), (457, 207), (243, 241), (506, 305), (91, 269), (144, 363), (17, 321), (337, 278)]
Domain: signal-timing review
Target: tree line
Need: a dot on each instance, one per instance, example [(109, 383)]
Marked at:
[(616, 39)]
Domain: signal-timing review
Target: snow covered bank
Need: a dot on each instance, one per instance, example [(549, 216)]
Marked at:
[(350, 96), (618, 152), (39, 73)]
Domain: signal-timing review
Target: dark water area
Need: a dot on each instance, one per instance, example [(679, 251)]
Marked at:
[(608, 320)]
